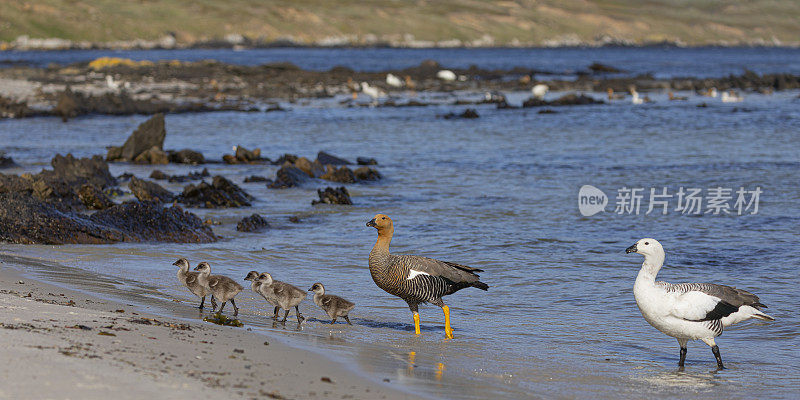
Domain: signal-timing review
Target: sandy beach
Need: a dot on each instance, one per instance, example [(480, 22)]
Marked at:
[(58, 343)]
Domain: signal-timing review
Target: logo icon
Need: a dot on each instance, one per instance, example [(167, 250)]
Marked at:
[(591, 200)]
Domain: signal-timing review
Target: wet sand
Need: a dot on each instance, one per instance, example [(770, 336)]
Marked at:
[(58, 343)]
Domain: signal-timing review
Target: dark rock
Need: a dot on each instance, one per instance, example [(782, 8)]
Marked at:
[(192, 176), (256, 178), (149, 134), (503, 105), (599, 68), (149, 191), (535, 102), (367, 174), (570, 99), (125, 176), (366, 161), (314, 169), (6, 162), (244, 156), (333, 196), (186, 156), (220, 193), (60, 186), (326, 159), (152, 156), (76, 171), (66, 105), (16, 184), (290, 158), (151, 222), (341, 175), (25, 219), (253, 223), (94, 198), (547, 111), (469, 113), (158, 175), (12, 109), (288, 176)]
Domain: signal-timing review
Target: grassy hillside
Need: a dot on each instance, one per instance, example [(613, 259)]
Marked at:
[(532, 22)]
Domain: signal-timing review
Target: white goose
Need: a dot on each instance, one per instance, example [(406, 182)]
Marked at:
[(393, 80), (111, 83), (372, 91), (689, 311), (539, 91), (446, 75), (731, 97)]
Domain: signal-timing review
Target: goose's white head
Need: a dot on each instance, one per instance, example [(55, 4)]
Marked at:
[(650, 248), (647, 247), (653, 254), (317, 288), (203, 268)]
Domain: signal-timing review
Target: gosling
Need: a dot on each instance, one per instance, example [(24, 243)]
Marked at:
[(256, 285), (334, 306), (283, 294), (221, 287), (189, 279)]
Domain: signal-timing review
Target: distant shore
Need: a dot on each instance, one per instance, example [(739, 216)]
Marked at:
[(121, 86), (239, 42), (60, 343)]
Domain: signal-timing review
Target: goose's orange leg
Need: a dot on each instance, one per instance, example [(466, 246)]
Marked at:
[(447, 329), (416, 323)]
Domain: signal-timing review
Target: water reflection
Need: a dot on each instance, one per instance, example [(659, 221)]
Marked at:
[(682, 379)]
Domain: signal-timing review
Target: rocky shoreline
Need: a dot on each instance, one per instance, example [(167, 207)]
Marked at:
[(74, 202), (114, 86)]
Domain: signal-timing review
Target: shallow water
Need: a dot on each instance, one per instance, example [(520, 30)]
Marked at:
[(662, 62), (499, 193)]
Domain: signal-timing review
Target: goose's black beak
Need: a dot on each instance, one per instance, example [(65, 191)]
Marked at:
[(631, 249), (176, 263), (311, 289), (371, 223)]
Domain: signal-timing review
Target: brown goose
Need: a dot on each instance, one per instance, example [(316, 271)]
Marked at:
[(417, 279), (256, 286), (334, 306), (189, 279), (221, 287), (281, 294)]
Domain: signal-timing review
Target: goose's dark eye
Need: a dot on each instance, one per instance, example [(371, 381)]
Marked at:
[(646, 243)]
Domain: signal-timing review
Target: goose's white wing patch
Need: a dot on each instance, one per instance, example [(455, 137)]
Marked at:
[(413, 273), (693, 306)]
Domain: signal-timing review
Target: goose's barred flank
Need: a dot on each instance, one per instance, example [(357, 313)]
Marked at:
[(417, 279), (689, 311)]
